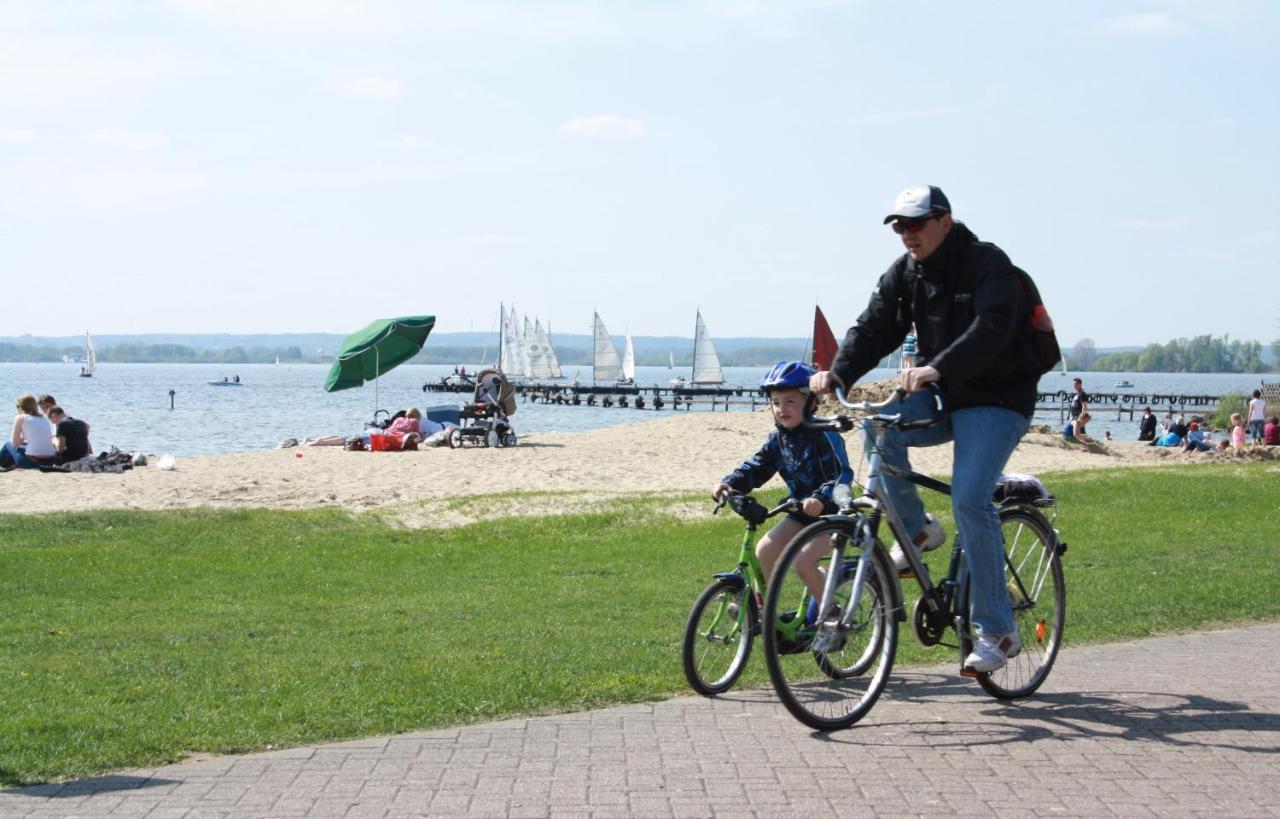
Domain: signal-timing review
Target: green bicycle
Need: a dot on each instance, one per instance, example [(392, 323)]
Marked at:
[(725, 618)]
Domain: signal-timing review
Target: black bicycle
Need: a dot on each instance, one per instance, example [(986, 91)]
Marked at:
[(863, 620)]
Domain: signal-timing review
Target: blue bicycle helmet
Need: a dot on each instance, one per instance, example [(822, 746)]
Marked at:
[(793, 375)]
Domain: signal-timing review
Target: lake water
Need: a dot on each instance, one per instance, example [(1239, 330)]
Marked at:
[(128, 404)]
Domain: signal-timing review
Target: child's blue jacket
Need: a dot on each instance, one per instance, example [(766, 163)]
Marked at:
[(811, 462)]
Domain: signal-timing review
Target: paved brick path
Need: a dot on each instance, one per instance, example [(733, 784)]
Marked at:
[(1186, 725)]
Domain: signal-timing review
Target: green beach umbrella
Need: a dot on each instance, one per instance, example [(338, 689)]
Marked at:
[(382, 346)]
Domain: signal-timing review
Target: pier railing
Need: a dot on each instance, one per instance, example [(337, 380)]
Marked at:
[(694, 396)]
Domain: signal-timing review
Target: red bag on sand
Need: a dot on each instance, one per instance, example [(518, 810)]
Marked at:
[(386, 442)]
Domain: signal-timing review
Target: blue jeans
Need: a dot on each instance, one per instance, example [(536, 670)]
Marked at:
[(16, 455), (984, 439)]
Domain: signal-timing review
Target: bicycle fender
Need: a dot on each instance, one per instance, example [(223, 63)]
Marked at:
[(735, 579)]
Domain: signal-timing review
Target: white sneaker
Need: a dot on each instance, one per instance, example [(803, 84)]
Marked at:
[(993, 652), (928, 539)]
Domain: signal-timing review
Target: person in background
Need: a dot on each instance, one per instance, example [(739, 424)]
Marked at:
[(1197, 440), (1079, 400), (31, 444), (1147, 427), (1237, 430), (46, 402), (1271, 432), (71, 436), (1257, 416), (1075, 429)]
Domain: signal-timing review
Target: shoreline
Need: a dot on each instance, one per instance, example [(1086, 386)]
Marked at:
[(686, 454)]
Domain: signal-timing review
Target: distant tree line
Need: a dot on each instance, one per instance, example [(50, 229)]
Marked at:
[(151, 354), (1202, 354)]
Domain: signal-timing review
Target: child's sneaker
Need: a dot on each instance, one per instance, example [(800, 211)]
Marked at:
[(928, 539), (993, 652)]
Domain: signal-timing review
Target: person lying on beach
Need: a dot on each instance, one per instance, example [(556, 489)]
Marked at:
[(30, 446)]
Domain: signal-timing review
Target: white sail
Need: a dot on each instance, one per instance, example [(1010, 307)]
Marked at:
[(544, 338), (706, 364), (539, 366), (671, 360), (511, 359), (604, 365), (90, 357), (629, 360)]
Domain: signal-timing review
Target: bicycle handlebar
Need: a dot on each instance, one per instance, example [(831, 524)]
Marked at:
[(750, 508), (875, 411)]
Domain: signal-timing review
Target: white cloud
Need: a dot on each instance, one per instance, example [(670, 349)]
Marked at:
[(603, 125), (1144, 24), (372, 87), (12, 135), (1154, 224), (133, 140)]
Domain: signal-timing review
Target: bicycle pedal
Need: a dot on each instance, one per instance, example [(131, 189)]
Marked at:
[(969, 672), (906, 574)]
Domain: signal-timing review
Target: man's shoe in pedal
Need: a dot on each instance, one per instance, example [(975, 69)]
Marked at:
[(993, 652), (928, 539)]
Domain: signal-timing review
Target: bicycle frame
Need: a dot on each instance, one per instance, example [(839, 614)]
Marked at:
[(749, 573)]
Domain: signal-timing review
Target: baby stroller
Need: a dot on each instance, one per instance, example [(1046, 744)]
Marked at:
[(485, 421)]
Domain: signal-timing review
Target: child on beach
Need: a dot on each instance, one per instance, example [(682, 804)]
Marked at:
[(810, 462), (1237, 430)]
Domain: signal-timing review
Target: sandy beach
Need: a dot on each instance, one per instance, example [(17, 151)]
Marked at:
[(682, 453)]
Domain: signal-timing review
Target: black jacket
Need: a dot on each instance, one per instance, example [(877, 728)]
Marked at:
[(971, 320)]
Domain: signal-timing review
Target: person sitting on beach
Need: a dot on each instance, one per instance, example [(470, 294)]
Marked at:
[(31, 444), (1075, 429), (1271, 432), (1147, 427), (71, 436), (810, 462), (1197, 440), (1237, 430)]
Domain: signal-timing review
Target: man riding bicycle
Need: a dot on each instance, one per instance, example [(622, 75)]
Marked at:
[(969, 311)]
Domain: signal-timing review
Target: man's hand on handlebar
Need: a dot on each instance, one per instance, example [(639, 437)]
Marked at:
[(914, 379), (825, 382)]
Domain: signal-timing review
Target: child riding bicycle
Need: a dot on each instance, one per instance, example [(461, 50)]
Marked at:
[(810, 462)]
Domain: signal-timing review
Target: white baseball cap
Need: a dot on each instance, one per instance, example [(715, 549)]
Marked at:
[(917, 201)]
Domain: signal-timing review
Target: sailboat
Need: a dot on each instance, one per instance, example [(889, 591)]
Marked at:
[(671, 360), (90, 358), (823, 347), (628, 363), (512, 357), (548, 350), (706, 364), (605, 366)]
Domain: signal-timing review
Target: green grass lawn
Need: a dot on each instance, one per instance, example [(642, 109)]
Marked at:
[(135, 638)]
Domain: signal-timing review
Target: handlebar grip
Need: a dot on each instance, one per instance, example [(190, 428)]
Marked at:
[(917, 424)]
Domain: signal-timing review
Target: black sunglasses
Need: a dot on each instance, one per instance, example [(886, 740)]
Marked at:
[(913, 225)]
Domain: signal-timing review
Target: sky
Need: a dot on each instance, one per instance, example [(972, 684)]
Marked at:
[(308, 165)]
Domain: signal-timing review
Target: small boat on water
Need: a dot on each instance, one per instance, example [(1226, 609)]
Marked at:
[(90, 358), (1125, 384), (628, 364), (225, 382)]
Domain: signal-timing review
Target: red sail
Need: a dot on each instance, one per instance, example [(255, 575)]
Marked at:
[(824, 341)]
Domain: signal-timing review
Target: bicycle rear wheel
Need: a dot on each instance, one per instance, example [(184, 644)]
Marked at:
[(717, 636), (1033, 575), (828, 675)]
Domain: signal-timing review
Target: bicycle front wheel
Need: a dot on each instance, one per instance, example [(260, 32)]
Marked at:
[(717, 636), (1033, 576), (830, 669)]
